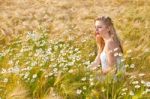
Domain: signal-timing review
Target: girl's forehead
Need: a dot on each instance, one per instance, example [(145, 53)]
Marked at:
[(99, 23)]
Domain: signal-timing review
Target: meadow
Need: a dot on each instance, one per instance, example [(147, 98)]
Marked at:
[(47, 45)]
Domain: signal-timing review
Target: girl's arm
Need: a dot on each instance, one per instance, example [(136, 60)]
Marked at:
[(97, 60), (111, 60)]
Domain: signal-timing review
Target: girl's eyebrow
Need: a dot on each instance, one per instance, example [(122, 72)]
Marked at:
[(98, 26)]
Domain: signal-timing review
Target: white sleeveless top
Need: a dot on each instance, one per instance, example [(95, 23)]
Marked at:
[(119, 64)]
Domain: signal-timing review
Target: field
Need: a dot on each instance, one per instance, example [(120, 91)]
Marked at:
[(47, 45)]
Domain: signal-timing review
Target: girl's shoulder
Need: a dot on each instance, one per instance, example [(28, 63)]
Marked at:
[(111, 47)]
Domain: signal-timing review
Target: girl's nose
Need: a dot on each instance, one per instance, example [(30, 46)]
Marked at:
[(96, 32), (96, 29)]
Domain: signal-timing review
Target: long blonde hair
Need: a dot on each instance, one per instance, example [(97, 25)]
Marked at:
[(108, 22)]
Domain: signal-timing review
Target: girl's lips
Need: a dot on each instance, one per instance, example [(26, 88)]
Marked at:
[(97, 33)]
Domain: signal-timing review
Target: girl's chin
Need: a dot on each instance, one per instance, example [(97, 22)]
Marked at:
[(98, 34)]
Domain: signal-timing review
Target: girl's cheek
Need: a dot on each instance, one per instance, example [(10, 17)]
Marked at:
[(99, 29)]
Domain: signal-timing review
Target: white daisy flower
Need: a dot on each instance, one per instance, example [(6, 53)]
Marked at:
[(141, 74), (34, 76), (132, 65), (131, 93), (135, 82), (137, 86), (79, 91), (115, 49), (5, 80), (83, 79), (84, 87)]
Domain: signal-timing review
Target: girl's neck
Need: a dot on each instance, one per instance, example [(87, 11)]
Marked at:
[(107, 38)]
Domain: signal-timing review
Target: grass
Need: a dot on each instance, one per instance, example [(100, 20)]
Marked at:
[(46, 47)]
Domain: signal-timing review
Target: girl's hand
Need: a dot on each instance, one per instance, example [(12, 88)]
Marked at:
[(110, 70), (94, 65)]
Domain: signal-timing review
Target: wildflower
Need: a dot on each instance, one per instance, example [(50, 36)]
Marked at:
[(124, 93), (32, 80), (71, 38), (79, 91), (26, 75), (5, 80), (34, 76), (129, 51), (78, 58), (103, 89), (141, 74), (87, 63), (132, 66), (120, 54), (144, 92), (70, 71), (84, 87), (131, 93), (1, 54), (92, 54), (46, 76), (116, 54), (147, 84), (110, 51), (33, 36), (115, 49), (71, 63), (16, 69), (147, 90), (3, 71), (53, 94), (122, 60), (137, 86), (126, 65), (142, 82), (10, 62), (65, 68), (124, 89), (33, 63), (53, 65), (50, 74), (83, 40), (92, 83), (91, 79), (49, 51), (135, 82), (132, 77), (55, 70), (28, 79), (42, 43), (91, 75), (83, 79), (146, 50)]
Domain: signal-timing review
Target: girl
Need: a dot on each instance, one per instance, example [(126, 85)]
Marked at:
[(109, 47)]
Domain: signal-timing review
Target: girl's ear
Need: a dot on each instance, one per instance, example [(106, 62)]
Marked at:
[(109, 28)]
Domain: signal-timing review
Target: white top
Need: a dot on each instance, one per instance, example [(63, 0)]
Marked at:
[(119, 64)]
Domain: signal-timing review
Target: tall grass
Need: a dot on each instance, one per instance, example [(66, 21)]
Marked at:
[(51, 62), (42, 67)]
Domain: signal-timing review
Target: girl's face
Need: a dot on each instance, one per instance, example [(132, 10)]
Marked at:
[(101, 28)]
